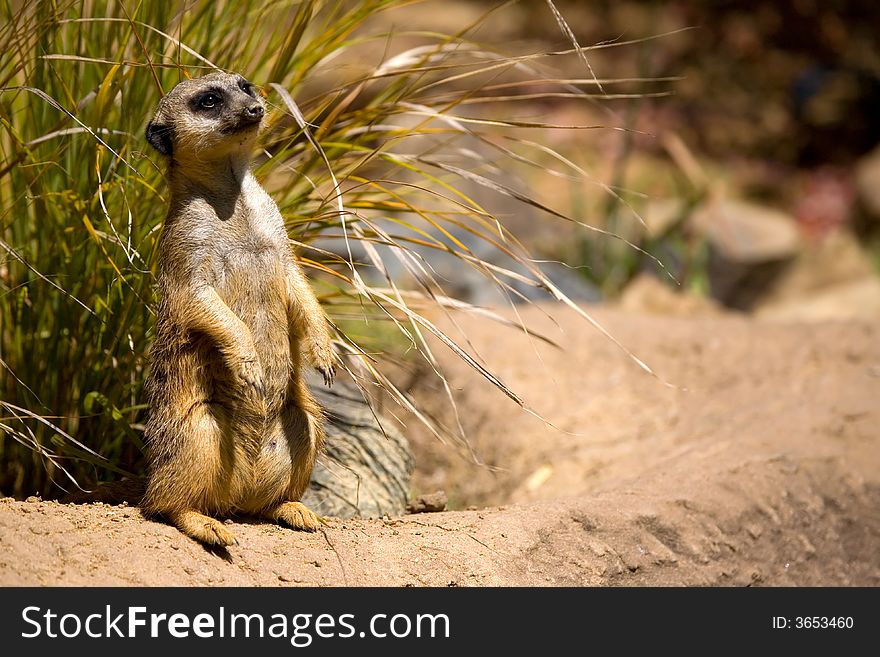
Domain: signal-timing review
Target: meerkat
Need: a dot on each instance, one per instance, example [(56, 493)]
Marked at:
[(232, 426)]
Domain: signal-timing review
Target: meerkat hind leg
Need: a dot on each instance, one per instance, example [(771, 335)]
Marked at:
[(296, 515), (202, 528)]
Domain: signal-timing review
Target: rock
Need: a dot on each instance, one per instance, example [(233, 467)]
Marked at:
[(744, 232), (646, 294), (429, 503), (830, 279), (855, 300), (660, 215), (750, 246), (364, 472)]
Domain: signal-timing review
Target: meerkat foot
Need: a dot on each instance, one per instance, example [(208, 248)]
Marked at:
[(296, 515), (202, 528)]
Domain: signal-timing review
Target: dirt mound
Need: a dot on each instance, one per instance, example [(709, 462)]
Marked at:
[(761, 467)]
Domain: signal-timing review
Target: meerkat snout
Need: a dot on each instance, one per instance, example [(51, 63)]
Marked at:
[(207, 118), (255, 112)]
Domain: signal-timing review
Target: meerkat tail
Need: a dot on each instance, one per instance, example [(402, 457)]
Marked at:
[(202, 528)]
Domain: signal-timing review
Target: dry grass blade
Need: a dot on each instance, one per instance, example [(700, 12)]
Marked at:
[(151, 28), (458, 304), (303, 125), (567, 31)]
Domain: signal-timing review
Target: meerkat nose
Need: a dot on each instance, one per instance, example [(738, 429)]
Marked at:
[(255, 111)]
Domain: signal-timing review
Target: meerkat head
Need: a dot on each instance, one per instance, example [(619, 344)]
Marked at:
[(207, 118)]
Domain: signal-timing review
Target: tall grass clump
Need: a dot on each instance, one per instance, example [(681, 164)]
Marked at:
[(362, 151)]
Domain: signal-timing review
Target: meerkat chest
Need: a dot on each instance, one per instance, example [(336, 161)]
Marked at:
[(254, 240), (251, 264)]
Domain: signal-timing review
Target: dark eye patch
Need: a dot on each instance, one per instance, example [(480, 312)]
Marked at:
[(207, 101), (246, 87)]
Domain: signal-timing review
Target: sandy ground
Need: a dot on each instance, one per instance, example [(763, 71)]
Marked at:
[(761, 466)]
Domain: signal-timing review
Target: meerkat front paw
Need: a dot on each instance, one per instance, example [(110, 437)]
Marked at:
[(250, 373), (323, 358)]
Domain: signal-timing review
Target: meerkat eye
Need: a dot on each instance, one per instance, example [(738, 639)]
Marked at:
[(247, 87), (210, 100)]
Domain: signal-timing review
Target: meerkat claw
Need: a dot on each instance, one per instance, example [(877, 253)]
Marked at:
[(328, 372)]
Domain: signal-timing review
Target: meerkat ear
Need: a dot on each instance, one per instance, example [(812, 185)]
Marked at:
[(159, 137)]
